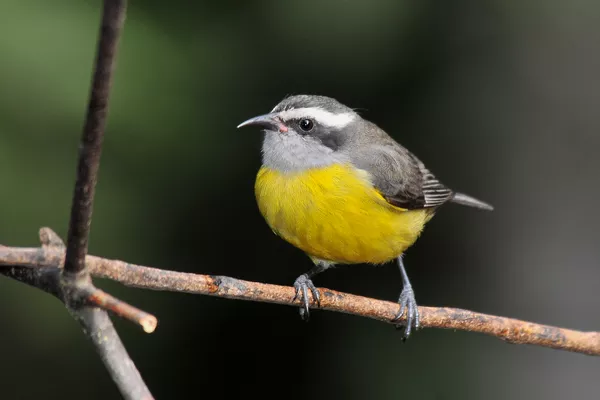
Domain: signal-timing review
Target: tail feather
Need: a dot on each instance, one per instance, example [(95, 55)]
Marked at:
[(465, 200)]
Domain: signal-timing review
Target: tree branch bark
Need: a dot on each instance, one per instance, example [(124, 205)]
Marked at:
[(90, 148), (508, 329), (73, 284)]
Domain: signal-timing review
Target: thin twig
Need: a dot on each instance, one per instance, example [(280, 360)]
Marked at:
[(93, 134), (105, 301), (508, 329), (86, 303)]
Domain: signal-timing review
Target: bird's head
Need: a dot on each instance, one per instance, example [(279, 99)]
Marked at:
[(305, 131)]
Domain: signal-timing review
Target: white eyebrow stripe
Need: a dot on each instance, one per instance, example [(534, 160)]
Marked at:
[(320, 115)]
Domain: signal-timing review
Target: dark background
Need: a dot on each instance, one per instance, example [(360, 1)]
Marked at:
[(499, 98)]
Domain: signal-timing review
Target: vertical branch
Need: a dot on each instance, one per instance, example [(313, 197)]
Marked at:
[(93, 133), (76, 286)]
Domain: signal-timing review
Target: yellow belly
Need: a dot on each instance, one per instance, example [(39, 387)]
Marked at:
[(334, 214)]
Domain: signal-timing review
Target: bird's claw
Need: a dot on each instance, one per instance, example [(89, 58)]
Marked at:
[(302, 285), (407, 302)]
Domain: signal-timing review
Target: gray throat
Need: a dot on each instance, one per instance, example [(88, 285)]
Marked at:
[(290, 152)]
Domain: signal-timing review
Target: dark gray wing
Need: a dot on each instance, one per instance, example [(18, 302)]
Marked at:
[(400, 177)]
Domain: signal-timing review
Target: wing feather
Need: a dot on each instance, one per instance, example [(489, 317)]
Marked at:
[(400, 177)]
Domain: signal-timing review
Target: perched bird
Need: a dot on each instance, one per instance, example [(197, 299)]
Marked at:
[(342, 190)]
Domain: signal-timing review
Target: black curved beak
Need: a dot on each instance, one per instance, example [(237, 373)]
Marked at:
[(267, 121)]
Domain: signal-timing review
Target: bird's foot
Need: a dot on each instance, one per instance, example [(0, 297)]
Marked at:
[(302, 285), (407, 302)]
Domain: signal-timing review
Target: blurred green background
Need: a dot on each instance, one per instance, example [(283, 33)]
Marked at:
[(499, 98)]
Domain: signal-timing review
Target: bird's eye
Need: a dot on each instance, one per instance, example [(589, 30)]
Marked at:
[(306, 124)]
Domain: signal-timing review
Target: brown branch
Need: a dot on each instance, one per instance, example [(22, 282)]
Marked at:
[(508, 329), (93, 134), (48, 280), (101, 299), (84, 292), (73, 285)]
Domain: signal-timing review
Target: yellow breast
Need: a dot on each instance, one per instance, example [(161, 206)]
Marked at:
[(334, 214)]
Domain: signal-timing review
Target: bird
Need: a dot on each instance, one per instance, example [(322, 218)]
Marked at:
[(339, 188)]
